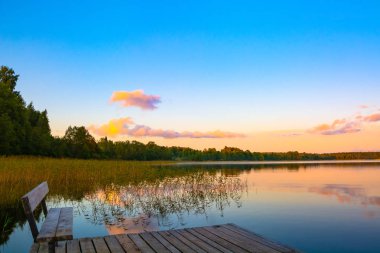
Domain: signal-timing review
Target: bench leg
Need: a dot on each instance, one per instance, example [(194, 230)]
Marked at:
[(52, 246)]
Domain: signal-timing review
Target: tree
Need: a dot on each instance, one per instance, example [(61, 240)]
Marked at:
[(12, 112), (38, 134), (7, 135), (107, 148), (80, 143)]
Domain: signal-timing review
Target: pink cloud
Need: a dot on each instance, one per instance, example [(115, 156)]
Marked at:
[(136, 98), (339, 126), (350, 127), (344, 126), (126, 127), (113, 128), (363, 106), (372, 118)]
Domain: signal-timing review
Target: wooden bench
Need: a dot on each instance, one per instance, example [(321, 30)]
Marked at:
[(58, 224)]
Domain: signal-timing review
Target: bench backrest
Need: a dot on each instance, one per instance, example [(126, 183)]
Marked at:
[(31, 201)]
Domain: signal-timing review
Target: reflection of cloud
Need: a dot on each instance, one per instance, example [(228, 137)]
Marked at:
[(126, 126), (136, 98), (370, 214), (138, 224), (347, 194)]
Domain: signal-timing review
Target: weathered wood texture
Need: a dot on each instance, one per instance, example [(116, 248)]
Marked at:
[(58, 224), (30, 201), (219, 238), (35, 196)]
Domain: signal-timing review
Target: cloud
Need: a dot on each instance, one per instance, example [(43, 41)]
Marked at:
[(136, 98), (291, 134), (344, 126), (363, 106), (372, 118), (350, 127), (339, 126), (126, 127), (113, 128)]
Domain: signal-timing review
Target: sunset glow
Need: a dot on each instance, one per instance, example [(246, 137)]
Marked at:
[(253, 75)]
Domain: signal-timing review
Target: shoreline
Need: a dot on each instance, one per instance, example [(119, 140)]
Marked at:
[(275, 162)]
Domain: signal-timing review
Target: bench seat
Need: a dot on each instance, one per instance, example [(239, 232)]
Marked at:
[(57, 226)]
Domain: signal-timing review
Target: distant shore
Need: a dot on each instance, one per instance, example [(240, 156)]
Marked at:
[(276, 162)]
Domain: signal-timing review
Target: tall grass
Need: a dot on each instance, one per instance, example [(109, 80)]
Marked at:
[(153, 188), (70, 178)]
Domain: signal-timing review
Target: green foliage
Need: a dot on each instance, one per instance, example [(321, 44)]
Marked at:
[(12, 114), (7, 134), (24, 130), (39, 137), (80, 143)]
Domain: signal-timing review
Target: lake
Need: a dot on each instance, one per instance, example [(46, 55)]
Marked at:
[(314, 207)]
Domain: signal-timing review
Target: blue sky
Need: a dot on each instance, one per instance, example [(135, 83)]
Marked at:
[(240, 66)]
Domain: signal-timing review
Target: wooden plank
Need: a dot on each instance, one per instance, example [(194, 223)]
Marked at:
[(154, 243), (44, 248), (34, 248), (86, 245), (49, 227), (100, 245), (127, 244), (204, 245), (186, 241), (207, 240), (113, 244), (174, 241), (140, 243), (220, 238), (259, 238), (60, 247), (72, 246), (164, 242), (226, 244), (65, 224), (35, 196), (242, 241)]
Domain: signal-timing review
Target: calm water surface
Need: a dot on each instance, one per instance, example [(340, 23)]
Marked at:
[(312, 207)]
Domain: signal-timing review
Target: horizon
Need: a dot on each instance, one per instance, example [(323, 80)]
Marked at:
[(295, 77)]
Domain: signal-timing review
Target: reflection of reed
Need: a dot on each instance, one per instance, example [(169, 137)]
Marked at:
[(194, 193)]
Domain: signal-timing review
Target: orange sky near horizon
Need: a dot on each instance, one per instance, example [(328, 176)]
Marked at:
[(276, 141)]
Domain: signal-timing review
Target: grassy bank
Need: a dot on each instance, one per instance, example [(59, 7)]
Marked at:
[(152, 188), (69, 177)]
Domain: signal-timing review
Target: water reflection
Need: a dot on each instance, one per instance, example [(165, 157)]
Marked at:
[(133, 207), (347, 194), (308, 206)]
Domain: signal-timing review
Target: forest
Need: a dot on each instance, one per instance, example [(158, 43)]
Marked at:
[(26, 131)]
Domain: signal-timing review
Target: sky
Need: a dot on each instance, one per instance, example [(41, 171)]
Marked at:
[(258, 75)]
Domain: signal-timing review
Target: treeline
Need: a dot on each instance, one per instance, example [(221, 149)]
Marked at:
[(26, 131)]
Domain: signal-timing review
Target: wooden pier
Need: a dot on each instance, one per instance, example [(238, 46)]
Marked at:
[(218, 238)]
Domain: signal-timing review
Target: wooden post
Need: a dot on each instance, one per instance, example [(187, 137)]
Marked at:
[(44, 207), (30, 217)]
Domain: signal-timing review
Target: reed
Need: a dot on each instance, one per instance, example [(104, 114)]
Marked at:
[(71, 178)]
